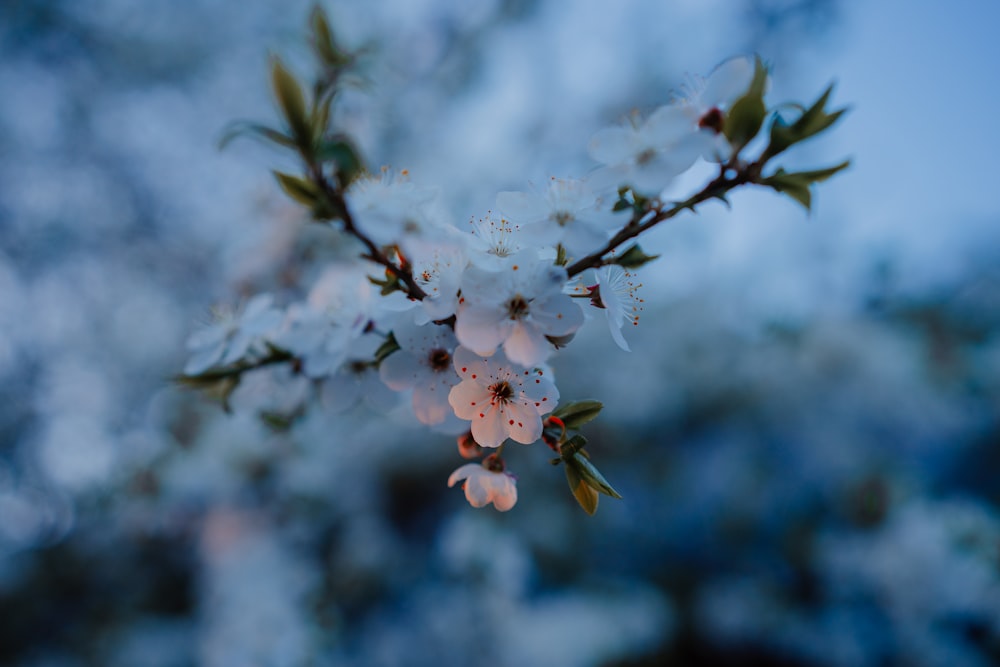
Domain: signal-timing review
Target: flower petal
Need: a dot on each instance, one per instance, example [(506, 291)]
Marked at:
[(490, 430), (469, 399)]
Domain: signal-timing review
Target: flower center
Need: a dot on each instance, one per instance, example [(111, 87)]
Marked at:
[(517, 307), (502, 391), (645, 157), (439, 359), (494, 463), (712, 120), (561, 218)]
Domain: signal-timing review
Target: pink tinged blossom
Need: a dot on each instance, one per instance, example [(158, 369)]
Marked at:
[(617, 293), (516, 308), (423, 363), (233, 336), (486, 483), (565, 213), (501, 399)]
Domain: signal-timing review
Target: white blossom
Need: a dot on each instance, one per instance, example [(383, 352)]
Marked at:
[(233, 335), (501, 399), (617, 293), (423, 363), (518, 308), (486, 483), (566, 213), (705, 101), (649, 154)]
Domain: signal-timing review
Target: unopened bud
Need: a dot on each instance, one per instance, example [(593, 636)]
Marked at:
[(468, 448)]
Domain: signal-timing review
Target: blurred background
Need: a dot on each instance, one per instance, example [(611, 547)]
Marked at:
[(806, 433)]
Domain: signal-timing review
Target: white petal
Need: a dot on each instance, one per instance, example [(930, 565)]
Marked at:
[(522, 207), (527, 345), (612, 145), (463, 473), (431, 404), (666, 126), (469, 399), (468, 364), (727, 82), (490, 430), (558, 315), (523, 423), (401, 370), (482, 329), (504, 491)]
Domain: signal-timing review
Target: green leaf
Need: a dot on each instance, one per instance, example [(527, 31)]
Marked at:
[(323, 41), (292, 103), (819, 175), (340, 150), (561, 258), (811, 122), (575, 444), (576, 414), (385, 349), (746, 116), (245, 128), (632, 258), (584, 495), (301, 190), (796, 184), (591, 475)]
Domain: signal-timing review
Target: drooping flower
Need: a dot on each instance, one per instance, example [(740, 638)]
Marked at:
[(487, 483), (518, 308), (423, 363), (501, 399), (617, 293), (566, 213), (649, 154), (233, 336)]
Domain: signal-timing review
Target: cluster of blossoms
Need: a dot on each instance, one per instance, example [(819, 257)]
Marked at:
[(466, 322)]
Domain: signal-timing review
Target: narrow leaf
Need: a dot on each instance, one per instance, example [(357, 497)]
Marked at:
[(632, 258), (591, 475), (299, 189), (576, 414), (746, 116), (585, 496), (292, 102), (245, 128)]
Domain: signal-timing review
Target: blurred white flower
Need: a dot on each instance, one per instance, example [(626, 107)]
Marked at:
[(648, 155), (705, 101), (566, 213), (423, 363), (487, 483), (518, 308), (503, 400), (389, 207), (233, 335)]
